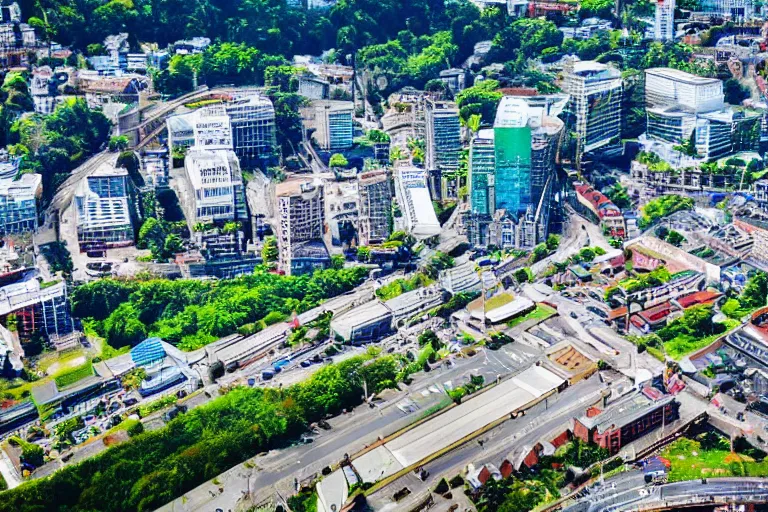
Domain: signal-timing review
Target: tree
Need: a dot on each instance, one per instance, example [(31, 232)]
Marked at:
[(363, 253), (173, 245), (553, 242), (118, 143), (151, 235), (123, 327), (735, 92), (269, 251), (619, 195), (756, 291), (596, 8), (337, 261), (481, 99), (675, 238), (338, 160)]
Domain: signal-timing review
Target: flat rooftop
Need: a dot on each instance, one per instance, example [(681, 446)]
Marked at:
[(681, 76)]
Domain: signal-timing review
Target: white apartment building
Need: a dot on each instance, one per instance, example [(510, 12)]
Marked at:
[(665, 87), (664, 22), (215, 186), (415, 202), (205, 128), (104, 206)]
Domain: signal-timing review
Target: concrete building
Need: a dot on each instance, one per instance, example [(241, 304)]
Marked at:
[(37, 309), (155, 165), (365, 323), (664, 21), (215, 185), (512, 175), (16, 38), (375, 207), (115, 60), (443, 143), (734, 10), (301, 226), (252, 119), (205, 128), (455, 79), (332, 121), (680, 105), (191, 46), (596, 91), (105, 207), (415, 202)]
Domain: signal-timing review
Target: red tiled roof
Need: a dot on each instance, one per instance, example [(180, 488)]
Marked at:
[(696, 298), (657, 313)]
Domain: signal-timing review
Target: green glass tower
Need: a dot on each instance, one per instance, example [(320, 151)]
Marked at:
[(512, 135)]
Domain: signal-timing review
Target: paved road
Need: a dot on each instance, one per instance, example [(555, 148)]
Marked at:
[(261, 475)]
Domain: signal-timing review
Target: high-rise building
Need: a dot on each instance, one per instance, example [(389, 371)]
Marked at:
[(301, 225), (596, 91), (375, 207), (664, 23), (512, 175), (216, 186), (332, 121), (666, 87), (443, 143), (105, 207), (253, 128)]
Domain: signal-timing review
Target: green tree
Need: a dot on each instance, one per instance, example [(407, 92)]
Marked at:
[(363, 253), (481, 99), (337, 261), (151, 235), (269, 251), (123, 327), (553, 242), (675, 238), (338, 160), (173, 245), (756, 291), (596, 8), (735, 92)]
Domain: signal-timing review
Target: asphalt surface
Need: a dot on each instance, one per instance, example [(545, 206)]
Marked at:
[(273, 473)]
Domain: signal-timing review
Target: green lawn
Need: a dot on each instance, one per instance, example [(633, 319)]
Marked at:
[(691, 462), (684, 345), (70, 377), (497, 301), (541, 312)]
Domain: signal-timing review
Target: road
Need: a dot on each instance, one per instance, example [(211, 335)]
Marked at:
[(608, 499), (262, 476)]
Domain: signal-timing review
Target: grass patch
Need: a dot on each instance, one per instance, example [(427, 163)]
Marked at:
[(71, 376), (541, 312), (690, 462), (146, 410), (683, 345), (497, 301), (202, 103)]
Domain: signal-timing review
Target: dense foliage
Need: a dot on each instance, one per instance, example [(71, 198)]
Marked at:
[(663, 206), (191, 313), (156, 467), (54, 145)]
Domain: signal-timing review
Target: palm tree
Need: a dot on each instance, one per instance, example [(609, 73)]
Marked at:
[(473, 124)]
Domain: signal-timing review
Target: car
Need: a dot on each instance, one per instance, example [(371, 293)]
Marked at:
[(305, 364), (574, 315), (266, 375), (328, 360)]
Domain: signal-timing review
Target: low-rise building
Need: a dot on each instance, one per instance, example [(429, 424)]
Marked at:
[(600, 209), (104, 204), (252, 119), (627, 419), (409, 304), (18, 203), (365, 323), (415, 202), (332, 124)]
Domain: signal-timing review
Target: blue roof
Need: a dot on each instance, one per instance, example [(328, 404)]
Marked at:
[(148, 351)]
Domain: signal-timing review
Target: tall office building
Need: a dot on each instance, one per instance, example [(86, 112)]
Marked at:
[(443, 143), (512, 175), (664, 23), (375, 207), (301, 225), (253, 128), (596, 91)]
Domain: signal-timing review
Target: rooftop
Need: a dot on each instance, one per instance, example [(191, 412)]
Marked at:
[(681, 76), (624, 411)]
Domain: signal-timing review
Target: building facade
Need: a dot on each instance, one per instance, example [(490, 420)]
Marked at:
[(415, 202), (443, 143), (664, 21), (253, 128), (216, 186), (332, 121), (18, 203), (375, 207), (301, 223), (596, 92), (104, 204)]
